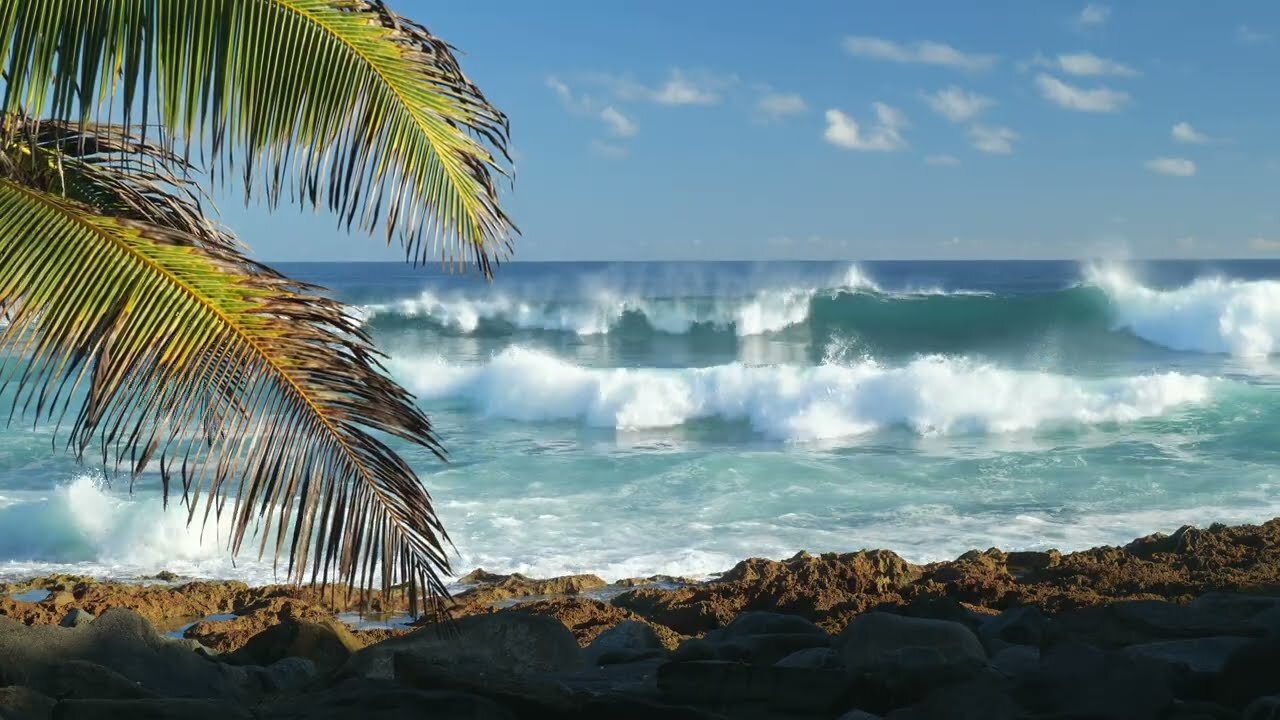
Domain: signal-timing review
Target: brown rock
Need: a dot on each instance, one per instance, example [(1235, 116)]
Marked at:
[(492, 588), (224, 636)]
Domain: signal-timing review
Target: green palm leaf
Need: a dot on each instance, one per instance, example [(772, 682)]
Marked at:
[(335, 103), (145, 326)]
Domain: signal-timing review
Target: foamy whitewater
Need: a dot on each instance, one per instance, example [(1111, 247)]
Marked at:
[(634, 419)]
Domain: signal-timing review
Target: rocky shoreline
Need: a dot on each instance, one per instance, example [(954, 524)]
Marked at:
[(1181, 626)]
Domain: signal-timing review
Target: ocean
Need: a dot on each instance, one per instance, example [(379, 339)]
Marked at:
[(629, 419)]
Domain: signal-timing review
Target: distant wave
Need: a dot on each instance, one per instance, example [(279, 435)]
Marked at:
[(930, 396), (1211, 315)]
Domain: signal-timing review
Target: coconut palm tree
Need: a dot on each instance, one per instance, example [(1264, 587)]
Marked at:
[(143, 330)]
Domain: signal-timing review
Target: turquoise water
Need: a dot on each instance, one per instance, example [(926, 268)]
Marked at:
[(633, 419)]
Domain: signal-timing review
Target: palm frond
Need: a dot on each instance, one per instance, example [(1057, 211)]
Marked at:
[(161, 342), (334, 103)]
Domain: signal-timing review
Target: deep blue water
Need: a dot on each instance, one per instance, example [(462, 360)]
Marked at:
[(638, 418)]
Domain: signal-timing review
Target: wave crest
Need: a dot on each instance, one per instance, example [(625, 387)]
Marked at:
[(930, 396)]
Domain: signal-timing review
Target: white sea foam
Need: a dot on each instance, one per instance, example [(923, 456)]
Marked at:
[(931, 395), (1211, 315), (83, 527)]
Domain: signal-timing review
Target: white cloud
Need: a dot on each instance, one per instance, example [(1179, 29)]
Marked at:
[(1071, 97), (682, 90), (778, 105), (958, 105), (1262, 244), (1178, 167), (1094, 14), (1184, 133), (1246, 35), (885, 136), (571, 102), (1087, 64), (923, 53), (620, 125), (942, 160), (993, 140), (612, 151)]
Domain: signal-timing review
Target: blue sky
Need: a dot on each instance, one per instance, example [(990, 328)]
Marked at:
[(865, 130)]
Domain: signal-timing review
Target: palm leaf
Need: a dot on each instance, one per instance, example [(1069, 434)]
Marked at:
[(335, 103), (159, 341)]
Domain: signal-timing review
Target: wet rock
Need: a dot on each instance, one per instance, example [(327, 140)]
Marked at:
[(826, 589), (587, 618), (628, 641), (22, 703), (228, 635), (75, 618), (151, 709), (724, 686), (510, 642), (165, 576), (673, 580), (491, 588)]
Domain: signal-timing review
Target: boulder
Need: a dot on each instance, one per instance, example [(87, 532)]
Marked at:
[(818, 658), (729, 686), (1024, 625), (150, 709), (78, 679), (328, 645), (1250, 672), (287, 675), (509, 642), (876, 642), (1196, 663), (977, 699), (627, 641), (1077, 680), (858, 715), (1264, 708), (122, 641), (22, 703), (369, 699), (1016, 661)]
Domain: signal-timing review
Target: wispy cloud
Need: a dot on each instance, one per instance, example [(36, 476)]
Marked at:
[(1071, 97), (884, 136), (1246, 35), (956, 104), (1183, 132), (1093, 14), (773, 106), (619, 124), (993, 140), (681, 87), (1262, 244), (942, 160), (1177, 167), (923, 53), (1085, 64)]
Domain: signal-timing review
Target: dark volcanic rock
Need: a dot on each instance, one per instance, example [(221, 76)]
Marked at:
[(152, 709), (328, 645), (122, 641), (509, 642), (728, 686), (22, 703), (1076, 680)]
